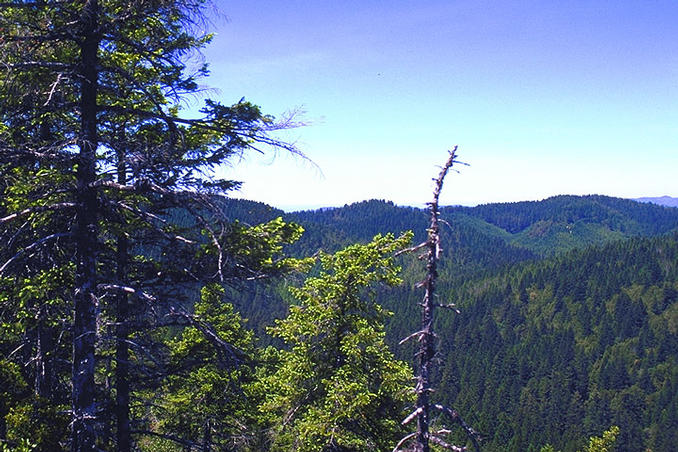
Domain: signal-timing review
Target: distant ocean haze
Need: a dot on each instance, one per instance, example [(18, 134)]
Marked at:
[(668, 201)]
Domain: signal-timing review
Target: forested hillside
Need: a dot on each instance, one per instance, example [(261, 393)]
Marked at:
[(668, 201), (523, 229), (565, 222), (550, 352), (567, 327), (551, 346)]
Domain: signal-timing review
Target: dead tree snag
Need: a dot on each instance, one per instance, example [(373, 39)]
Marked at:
[(420, 440)]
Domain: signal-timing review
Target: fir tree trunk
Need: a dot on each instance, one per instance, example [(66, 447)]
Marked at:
[(122, 347), (84, 330), (44, 375), (122, 370), (207, 437)]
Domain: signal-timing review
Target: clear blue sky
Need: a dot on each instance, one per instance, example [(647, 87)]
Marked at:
[(543, 97)]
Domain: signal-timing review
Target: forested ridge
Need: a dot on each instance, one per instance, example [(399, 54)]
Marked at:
[(555, 350), (552, 345)]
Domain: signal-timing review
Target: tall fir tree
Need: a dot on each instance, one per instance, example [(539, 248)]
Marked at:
[(337, 387), (90, 119)]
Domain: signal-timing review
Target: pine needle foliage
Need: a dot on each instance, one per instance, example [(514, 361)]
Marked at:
[(337, 387)]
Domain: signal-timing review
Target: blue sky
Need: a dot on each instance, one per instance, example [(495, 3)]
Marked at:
[(542, 97)]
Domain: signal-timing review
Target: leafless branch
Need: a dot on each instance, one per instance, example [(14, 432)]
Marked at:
[(151, 221), (454, 416), (126, 289), (412, 249), (38, 209), (229, 354), (417, 334), (52, 90), (412, 415), (451, 306), (404, 440), (435, 439), (33, 246)]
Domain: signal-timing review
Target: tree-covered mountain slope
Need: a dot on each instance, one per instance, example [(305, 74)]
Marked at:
[(551, 346), (476, 241), (553, 351), (471, 245), (521, 230), (561, 223)]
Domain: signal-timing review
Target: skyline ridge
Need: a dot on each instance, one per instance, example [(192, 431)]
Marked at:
[(664, 200)]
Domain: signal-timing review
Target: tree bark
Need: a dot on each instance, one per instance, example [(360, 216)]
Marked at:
[(427, 339), (44, 372), (207, 437), (121, 347), (84, 329)]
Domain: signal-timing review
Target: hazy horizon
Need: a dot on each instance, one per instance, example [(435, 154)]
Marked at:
[(290, 208), (541, 97)]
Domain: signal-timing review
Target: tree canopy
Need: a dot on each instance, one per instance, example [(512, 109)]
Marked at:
[(337, 386), (95, 155)]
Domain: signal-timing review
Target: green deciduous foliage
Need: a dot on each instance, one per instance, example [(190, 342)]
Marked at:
[(337, 386), (604, 443)]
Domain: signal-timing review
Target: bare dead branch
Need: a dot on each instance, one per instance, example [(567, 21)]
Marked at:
[(52, 90), (33, 246), (412, 249), (151, 220), (127, 289), (417, 334), (437, 440), (412, 415), (454, 416), (404, 440), (115, 185), (451, 306), (38, 209), (229, 354)]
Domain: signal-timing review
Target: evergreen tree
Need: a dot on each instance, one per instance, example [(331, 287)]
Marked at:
[(337, 387), (92, 93), (603, 443), (202, 401)]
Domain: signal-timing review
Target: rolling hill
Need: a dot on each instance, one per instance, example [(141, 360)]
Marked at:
[(569, 313)]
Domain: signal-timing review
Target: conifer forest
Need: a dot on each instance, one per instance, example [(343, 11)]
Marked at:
[(143, 308)]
